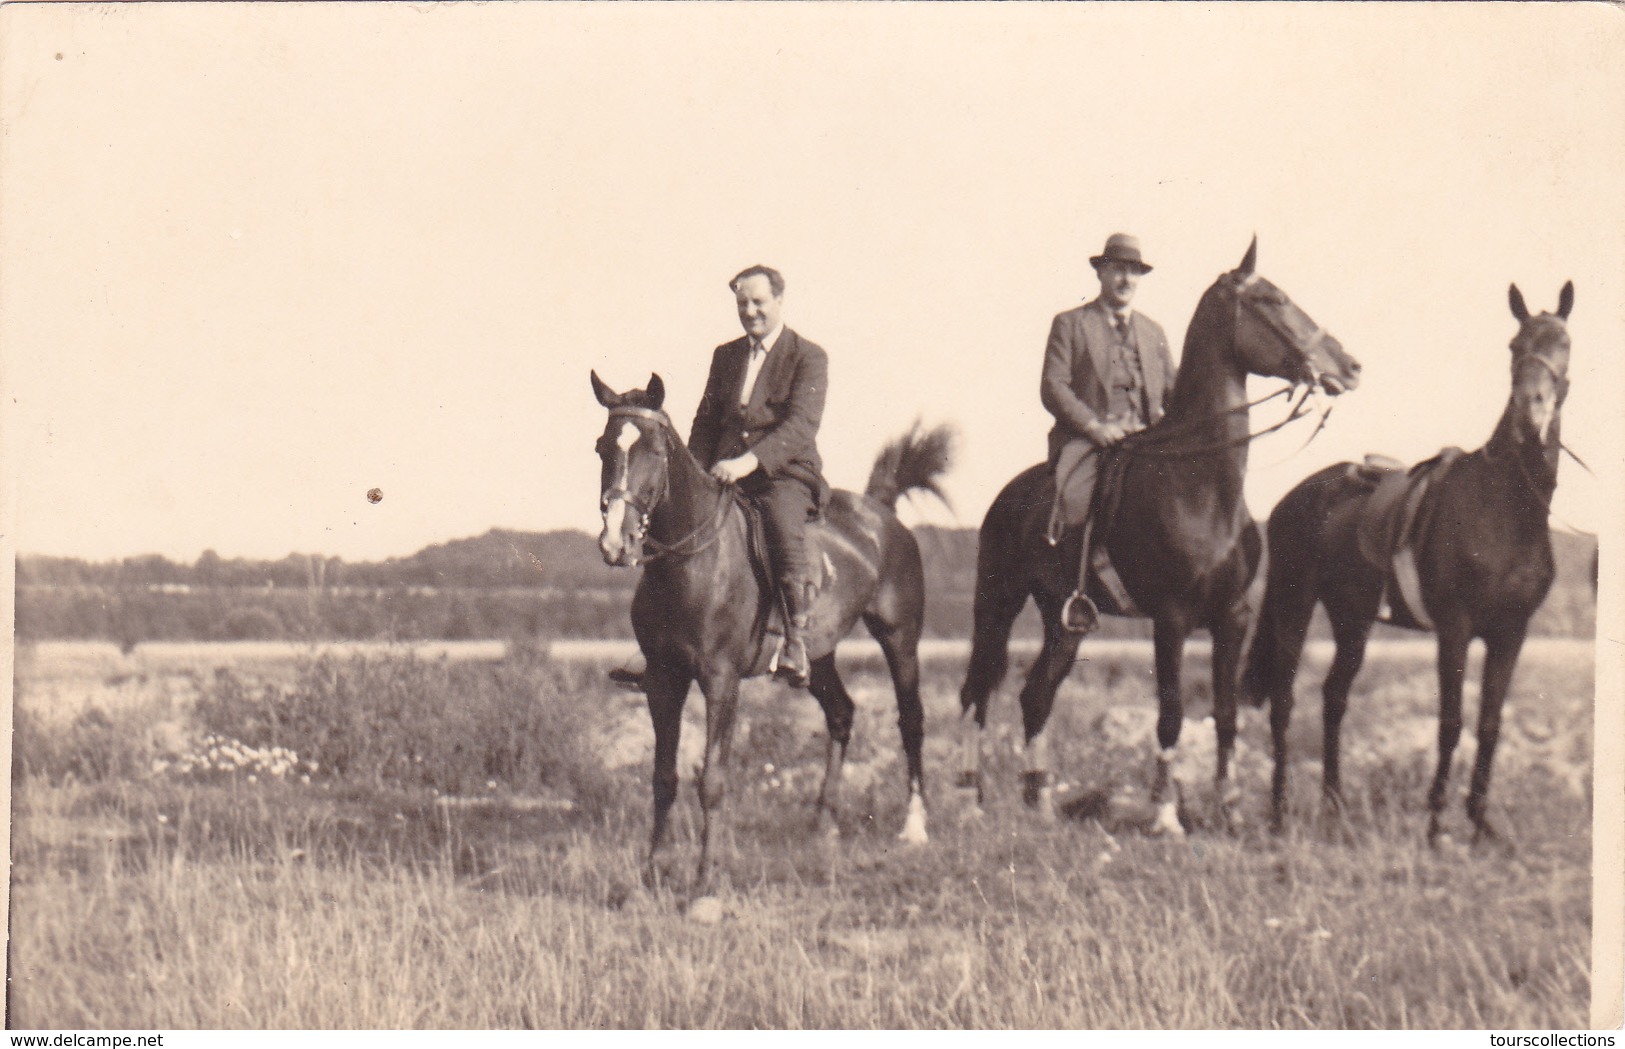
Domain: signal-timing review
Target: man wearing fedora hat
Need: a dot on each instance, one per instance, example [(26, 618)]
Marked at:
[(1107, 374)]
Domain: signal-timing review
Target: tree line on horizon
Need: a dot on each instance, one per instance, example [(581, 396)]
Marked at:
[(503, 584)]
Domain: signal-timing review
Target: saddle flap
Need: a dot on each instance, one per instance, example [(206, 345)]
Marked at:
[(1392, 516), (819, 566)]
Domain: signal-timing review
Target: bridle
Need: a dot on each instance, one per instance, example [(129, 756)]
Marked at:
[(1520, 357), (695, 541), (1317, 337), (1162, 440)]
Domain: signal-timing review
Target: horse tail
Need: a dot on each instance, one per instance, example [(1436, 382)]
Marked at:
[(915, 461), (1292, 550), (1255, 674)]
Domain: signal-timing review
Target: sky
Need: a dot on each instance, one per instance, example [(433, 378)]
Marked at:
[(256, 260)]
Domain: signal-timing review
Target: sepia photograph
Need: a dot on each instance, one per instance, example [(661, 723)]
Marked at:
[(833, 516)]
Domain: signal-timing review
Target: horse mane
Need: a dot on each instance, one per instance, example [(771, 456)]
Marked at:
[(915, 461), (1210, 315)]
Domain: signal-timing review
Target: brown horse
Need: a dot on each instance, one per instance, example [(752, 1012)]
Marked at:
[(1180, 537), (701, 611), (1483, 558)]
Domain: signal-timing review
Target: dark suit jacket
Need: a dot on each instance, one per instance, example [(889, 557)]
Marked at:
[(780, 424), (1076, 367)]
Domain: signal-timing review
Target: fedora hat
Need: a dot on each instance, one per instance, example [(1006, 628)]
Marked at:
[(1120, 247)]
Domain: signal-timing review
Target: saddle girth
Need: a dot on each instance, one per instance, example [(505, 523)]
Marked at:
[(1396, 514)]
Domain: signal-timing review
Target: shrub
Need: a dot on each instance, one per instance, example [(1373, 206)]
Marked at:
[(96, 745), (455, 727), (253, 624)]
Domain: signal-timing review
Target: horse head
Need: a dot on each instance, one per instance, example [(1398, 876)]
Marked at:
[(1540, 364), (634, 454), (1275, 337)]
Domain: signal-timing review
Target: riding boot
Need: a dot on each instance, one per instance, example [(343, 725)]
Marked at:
[(793, 665), (1079, 614)]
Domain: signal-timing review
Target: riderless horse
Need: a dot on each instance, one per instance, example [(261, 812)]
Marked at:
[(1476, 558), (704, 611), (1171, 518)]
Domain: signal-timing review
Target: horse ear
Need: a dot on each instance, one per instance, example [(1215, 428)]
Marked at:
[(1565, 301), (606, 396), (1251, 260), (1519, 310), (656, 391)]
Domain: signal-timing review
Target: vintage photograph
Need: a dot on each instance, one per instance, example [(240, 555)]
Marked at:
[(825, 516)]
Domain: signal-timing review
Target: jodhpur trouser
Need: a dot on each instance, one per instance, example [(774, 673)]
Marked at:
[(786, 505)]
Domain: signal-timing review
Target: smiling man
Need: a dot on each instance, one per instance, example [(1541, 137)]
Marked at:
[(1107, 373), (757, 427)]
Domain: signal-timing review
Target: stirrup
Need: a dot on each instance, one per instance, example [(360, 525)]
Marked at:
[(781, 668), (1079, 615)]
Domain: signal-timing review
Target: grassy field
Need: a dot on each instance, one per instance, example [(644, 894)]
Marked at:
[(467, 849)]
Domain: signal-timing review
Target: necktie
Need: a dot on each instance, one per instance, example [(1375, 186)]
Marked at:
[(752, 367)]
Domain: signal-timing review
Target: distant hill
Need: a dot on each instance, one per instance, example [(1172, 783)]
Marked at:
[(503, 583), (566, 559)]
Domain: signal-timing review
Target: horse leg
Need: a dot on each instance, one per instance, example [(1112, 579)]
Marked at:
[(1038, 700), (1229, 634), (900, 644), (721, 690), (1453, 641), (996, 609), (1500, 659), (1290, 594), (826, 686), (1351, 630), (666, 689), (1168, 638)]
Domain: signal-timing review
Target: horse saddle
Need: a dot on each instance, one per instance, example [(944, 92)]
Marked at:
[(820, 569), (1394, 516), (1083, 494)]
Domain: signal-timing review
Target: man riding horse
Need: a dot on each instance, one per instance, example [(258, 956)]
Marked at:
[(757, 427), (1107, 374)]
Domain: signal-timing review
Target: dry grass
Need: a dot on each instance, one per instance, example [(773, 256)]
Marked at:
[(144, 902)]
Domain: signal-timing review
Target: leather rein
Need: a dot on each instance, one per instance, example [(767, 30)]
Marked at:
[(1154, 441)]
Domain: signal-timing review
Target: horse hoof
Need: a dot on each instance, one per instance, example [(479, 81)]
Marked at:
[(706, 910), (1167, 824), (1229, 809), (1487, 837), (1442, 843), (913, 832), (968, 803)]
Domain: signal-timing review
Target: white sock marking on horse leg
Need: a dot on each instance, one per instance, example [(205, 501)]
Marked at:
[(1166, 796), (913, 832), (1043, 796), (1167, 822)]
